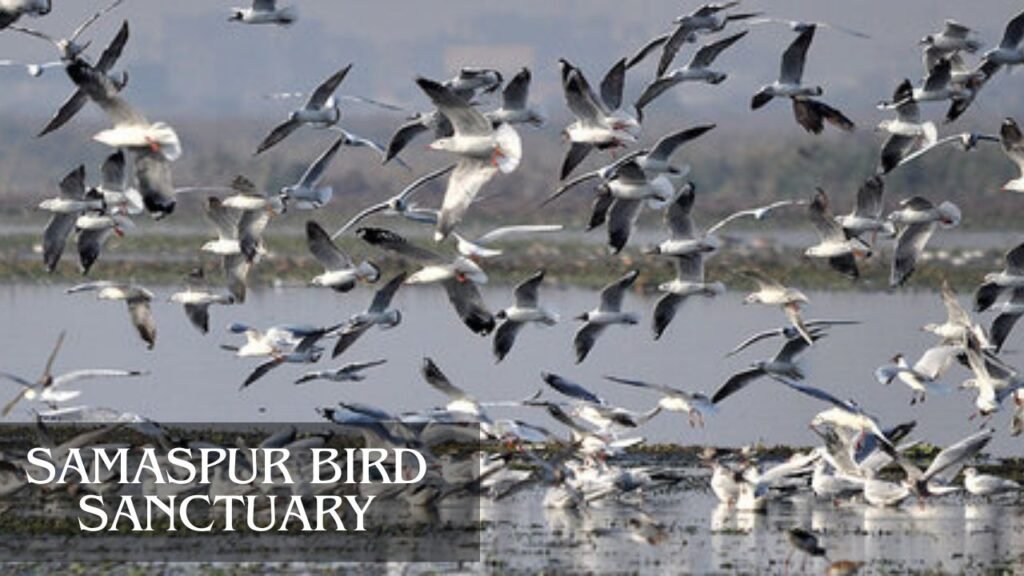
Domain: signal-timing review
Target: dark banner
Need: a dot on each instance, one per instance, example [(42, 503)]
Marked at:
[(374, 491)]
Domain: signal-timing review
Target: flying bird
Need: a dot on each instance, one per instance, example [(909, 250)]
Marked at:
[(809, 113)]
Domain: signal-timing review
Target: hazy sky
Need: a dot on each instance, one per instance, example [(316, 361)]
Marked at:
[(185, 58)]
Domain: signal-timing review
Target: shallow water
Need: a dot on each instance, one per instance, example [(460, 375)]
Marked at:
[(192, 379), (703, 536)]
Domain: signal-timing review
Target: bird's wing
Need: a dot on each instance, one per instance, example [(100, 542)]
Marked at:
[(570, 389), (580, 98), (236, 269), (949, 461), (224, 219), (672, 45), (517, 91), (677, 217), (463, 185), (936, 360), (405, 134), (708, 52), (821, 216), (526, 291), (612, 294), (506, 232), (347, 338), (622, 215), (576, 153), (938, 76), (816, 393), (909, 244), (113, 171), (955, 313), (382, 298), (1013, 141), (792, 69), (736, 383), (755, 339), (469, 305), (199, 316), (667, 145), (73, 185), (466, 120), (102, 91), (505, 338), (1014, 32), (585, 338), (260, 372), (762, 280), (669, 390), (664, 311), (1015, 260), (280, 132), (326, 252), (90, 373), (153, 176), (55, 237), (612, 85), (112, 53), (433, 376), (324, 91), (757, 213), (646, 49), (89, 21), (393, 242), (656, 88), (16, 379), (869, 198), (317, 168), (67, 110)]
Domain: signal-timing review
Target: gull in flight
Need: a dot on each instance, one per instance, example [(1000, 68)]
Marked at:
[(787, 332), (379, 313), (400, 204), (608, 312), (197, 299), (69, 48), (348, 373), (923, 376), (696, 405), (459, 277), (783, 364), (131, 129), (770, 292), (515, 106), (526, 309), (78, 98), (598, 123), (1009, 51), (265, 12), (953, 38), (697, 70), (917, 219), (867, 213), (307, 194), (1009, 280), (136, 297), (907, 132), (834, 243), (48, 388), (654, 161), (809, 113), (71, 202), (321, 110), (340, 273), (482, 151), (687, 254)]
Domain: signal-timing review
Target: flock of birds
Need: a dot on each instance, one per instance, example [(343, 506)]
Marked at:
[(484, 144)]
